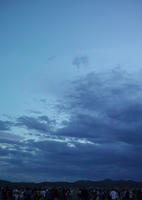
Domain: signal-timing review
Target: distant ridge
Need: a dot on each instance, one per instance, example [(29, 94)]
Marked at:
[(107, 183)]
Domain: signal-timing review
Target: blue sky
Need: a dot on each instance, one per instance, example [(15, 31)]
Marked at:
[(59, 62)]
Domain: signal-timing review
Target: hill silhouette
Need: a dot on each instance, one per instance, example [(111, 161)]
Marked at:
[(107, 183)]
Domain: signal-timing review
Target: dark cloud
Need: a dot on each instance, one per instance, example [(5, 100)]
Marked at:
[(130, 113), (104, 91), (79, 61), (41, 124), (101, 138), (106, 109), (85, 161), (5, 125)]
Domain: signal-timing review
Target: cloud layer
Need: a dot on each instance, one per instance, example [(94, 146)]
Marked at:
[(100, 139)]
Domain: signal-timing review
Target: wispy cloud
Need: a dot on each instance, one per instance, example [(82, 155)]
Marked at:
[(80, 61)]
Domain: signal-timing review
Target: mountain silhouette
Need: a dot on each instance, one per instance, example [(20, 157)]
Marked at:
[(107, 183)]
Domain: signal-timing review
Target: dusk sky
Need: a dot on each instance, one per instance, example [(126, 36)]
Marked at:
[(70, 90)]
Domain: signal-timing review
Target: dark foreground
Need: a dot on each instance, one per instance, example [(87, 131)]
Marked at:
[(60, 193)]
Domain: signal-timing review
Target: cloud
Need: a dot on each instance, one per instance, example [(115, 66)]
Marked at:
[(104, 106), (51, 58), (106, 109), (45, 159), (5, 125), (130, 113), (41, 124), (100, 139), (34, 111), (79, 61)]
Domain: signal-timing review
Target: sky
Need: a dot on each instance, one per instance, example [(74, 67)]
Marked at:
[(70, 90)]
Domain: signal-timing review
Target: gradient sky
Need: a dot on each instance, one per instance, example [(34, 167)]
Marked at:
[(71, 90)]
